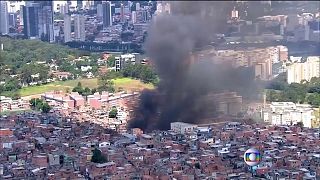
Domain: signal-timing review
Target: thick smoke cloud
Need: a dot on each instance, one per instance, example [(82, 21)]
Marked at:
[(184, 86)]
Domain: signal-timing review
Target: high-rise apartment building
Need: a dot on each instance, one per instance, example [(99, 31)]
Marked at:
[(122, 13), (67, 28), (107, 15), (4, 18), (99, 10), (133, 17), (79, 27), (304, 70)]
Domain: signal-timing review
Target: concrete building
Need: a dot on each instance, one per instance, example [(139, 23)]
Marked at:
[(133, 17), (122, 17), (106, 14), (38, 20), (261, 59), (288, 113), (283, 53), (124, 59), (303, 69), (67, 28), (4, 18), (99, 11), (79, 27), (182, 128), (234, 14)]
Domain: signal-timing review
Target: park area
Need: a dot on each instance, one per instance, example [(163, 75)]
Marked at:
[(126, 84)]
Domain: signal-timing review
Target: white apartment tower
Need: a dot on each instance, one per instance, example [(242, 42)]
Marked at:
[(134, 17), (299, 71), (67, 28), (79, 27)]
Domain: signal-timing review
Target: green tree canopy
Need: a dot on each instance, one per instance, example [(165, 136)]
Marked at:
[(113, 112), (97, 156)]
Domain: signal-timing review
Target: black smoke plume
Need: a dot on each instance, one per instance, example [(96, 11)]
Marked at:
[(184, 85)]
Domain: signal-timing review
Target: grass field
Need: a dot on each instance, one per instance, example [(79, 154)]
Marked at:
[(5, 113), (126, 84)]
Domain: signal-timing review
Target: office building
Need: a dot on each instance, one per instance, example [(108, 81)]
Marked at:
[(46, 22), (107, 15), (79, 27), (4, 18), (31, 20), (303, 69), (67, 28), (38, 20)]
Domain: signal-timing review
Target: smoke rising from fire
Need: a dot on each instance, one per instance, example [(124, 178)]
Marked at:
[(184, 86)]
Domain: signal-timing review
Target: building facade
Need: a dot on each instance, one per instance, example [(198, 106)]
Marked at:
[(4, 18), (67, 28), (79, 27), (107, 14), (38, 20), (288, 113), (182, 128), (303, 70)]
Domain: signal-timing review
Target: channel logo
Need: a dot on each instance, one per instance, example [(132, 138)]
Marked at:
[(252, 157)]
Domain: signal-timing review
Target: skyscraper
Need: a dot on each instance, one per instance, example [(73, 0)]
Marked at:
[(79, 27), (31, 19), (46, 21), (67, 28), (38, 20), (107, 15), (4, 19)]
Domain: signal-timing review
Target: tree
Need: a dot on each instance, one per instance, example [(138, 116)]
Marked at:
[(300, 124), (79, 84), (78, 88), (97, 156), (106, 85), (94, 90), (16, 95), (139, 71), (113, 113), (111, 61), (45, 108), (273, 96), (314, 99), (86, 91), (197, 165), (36, 103)]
